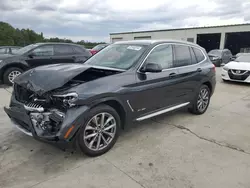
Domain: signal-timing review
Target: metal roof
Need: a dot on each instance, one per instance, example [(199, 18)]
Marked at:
[(188, 28)]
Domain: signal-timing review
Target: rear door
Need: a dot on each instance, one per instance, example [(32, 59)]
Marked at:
[(156, 90), (189, 71), (64, 54), (42, 55)]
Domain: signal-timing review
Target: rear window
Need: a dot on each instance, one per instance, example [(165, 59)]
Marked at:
[(199, 55)]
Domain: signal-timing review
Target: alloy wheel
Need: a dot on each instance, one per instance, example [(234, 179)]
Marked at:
[(203, 100), (12, 75), (100, 131)]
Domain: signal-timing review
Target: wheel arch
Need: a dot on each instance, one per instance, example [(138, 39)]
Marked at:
[(117, 105), (16, 64)]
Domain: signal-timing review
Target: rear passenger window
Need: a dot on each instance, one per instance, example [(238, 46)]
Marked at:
[(63, 50), (193, 57), (182, 56), (199, 55), (78, 50), (162, 55)]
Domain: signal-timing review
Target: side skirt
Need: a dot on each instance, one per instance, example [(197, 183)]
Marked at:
[(162, 111)]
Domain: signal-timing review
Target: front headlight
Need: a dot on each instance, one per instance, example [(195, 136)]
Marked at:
[(68, 99)]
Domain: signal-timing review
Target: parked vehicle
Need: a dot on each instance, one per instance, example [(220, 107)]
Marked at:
[(39, 54), (98, 48), (220, 57), (237, 70), (89, 103), (239, 54), (8, 49)]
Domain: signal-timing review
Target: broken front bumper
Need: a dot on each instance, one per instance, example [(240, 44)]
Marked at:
[(73, 120)]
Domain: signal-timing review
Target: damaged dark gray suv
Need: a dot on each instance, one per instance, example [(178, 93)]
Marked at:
[(87, 104)]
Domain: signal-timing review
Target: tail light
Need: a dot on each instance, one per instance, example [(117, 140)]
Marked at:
[(214, 68)]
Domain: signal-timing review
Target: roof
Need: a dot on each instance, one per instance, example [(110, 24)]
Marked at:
[(42, 43), (148, 42), (187, 28)]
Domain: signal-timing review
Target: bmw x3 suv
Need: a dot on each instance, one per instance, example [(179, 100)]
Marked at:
[(129, 81)]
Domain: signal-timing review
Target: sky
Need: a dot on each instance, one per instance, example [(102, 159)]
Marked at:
[(93, 20)]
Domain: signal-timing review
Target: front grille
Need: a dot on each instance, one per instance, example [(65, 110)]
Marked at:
[(22, 94), (238, 74)]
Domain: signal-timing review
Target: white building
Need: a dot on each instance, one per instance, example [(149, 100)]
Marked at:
[(234, 37)]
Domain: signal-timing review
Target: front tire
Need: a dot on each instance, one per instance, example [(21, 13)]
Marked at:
[(201, 101), (100, 131), (10, 74)]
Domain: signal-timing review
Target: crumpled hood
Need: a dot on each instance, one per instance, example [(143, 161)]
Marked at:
[(49, 77), (238, 65)]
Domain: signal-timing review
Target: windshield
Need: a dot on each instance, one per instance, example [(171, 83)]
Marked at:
[(243, 58), (99, 47), (215, 52), (119, 56), (25, 49)]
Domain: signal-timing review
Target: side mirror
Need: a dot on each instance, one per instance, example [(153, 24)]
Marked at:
[(151, 67)]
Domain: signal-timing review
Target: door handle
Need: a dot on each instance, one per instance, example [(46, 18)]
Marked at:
[(171, 75), (199, 70)]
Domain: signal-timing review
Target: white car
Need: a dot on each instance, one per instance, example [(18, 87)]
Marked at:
[(237, 70)]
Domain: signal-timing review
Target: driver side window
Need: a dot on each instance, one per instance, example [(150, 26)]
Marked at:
[(162, 55), (47, 50)]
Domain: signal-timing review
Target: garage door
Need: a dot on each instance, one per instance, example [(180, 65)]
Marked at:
[(142, 38), (116, 39)]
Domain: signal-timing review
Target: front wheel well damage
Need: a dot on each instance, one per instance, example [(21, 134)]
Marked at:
[(119, 108)]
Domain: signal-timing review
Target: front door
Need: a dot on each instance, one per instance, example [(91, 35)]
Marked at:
[(156, 90), (42, 55)]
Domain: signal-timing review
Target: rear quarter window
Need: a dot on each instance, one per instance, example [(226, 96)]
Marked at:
[(81, 51), (199, 55)]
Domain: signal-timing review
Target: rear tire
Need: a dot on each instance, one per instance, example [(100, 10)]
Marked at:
[(10, 74), (201, 101), (96, 138)]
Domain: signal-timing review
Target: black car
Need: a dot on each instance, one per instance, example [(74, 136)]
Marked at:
[(220, 57), (126, 82), (39, 54), (8, 49)]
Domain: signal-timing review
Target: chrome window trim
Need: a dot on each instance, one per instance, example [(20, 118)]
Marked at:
[(171, 43)]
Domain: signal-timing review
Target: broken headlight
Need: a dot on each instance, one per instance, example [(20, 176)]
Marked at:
[(68, 99)]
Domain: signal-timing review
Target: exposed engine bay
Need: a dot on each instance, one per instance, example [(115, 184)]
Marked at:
[(47, 111)]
